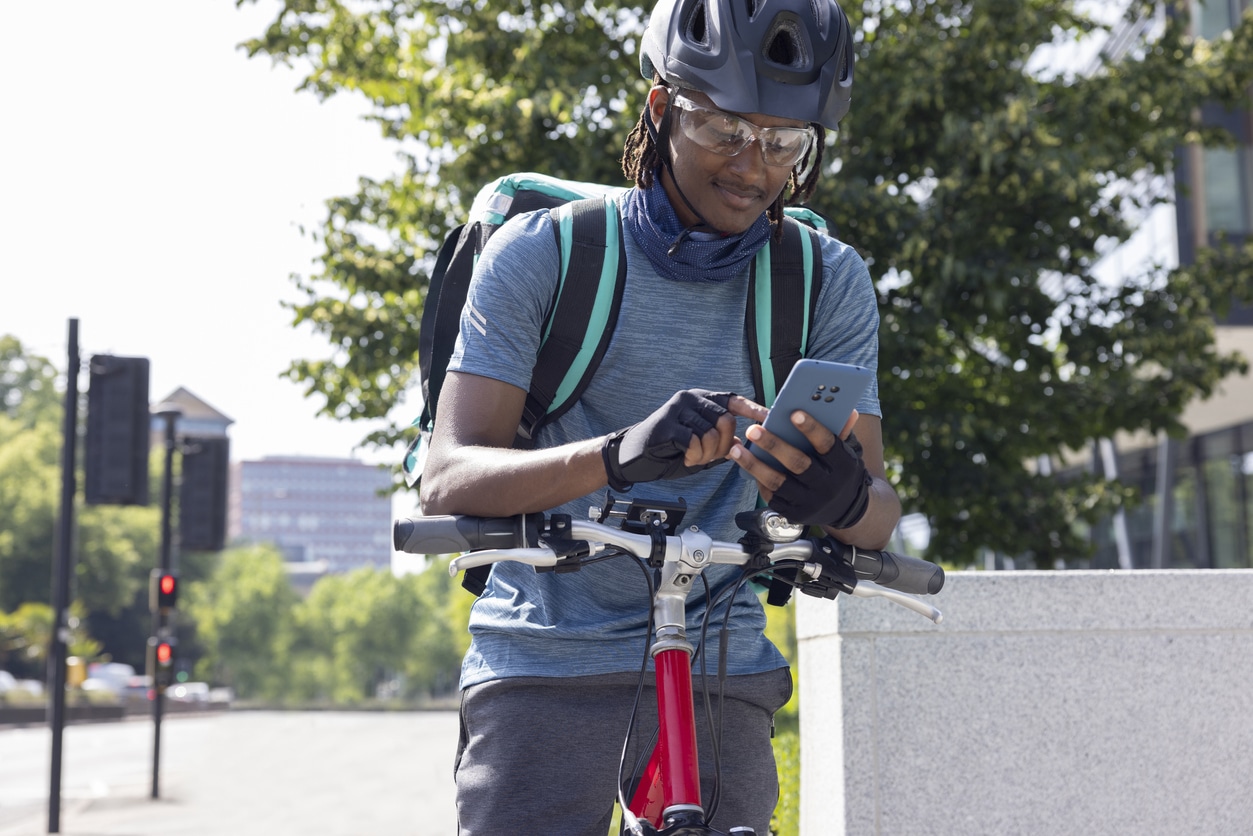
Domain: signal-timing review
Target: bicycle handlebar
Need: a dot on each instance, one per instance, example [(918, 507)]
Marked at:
[(829, 567), (456, 534)]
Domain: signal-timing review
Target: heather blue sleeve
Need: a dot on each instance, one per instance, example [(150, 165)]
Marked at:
[(508, 299), (846, 327)]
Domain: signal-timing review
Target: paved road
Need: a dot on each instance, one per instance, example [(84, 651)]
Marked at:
[(239, 773)]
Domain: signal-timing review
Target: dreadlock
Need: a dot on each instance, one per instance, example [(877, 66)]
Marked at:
[(641, 159)]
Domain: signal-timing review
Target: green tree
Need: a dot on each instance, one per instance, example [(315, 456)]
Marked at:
[(29, 497), (367, 628), (25, 635), (443, 636), (244, 614), (366, 624), (113, 547), (981, 184)]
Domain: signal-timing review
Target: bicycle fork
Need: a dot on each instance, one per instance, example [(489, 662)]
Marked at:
[(667, 801)]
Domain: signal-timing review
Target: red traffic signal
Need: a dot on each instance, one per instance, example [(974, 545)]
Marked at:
[(163, 593), (161, 653)]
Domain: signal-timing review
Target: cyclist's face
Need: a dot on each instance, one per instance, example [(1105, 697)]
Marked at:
[(730, 192)]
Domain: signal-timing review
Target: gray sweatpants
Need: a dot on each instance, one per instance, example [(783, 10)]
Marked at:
[(539, 756)]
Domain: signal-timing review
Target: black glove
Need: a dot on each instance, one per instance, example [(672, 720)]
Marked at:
[(654, 448), (834, 490)]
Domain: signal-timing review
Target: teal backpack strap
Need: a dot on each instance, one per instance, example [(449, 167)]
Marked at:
[(585, 309), (782, 302)]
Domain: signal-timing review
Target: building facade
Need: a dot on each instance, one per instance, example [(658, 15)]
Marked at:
[(1197, 493), (330, 513)]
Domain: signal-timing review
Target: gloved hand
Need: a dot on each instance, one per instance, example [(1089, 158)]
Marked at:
[(834, 490), (654, 448)]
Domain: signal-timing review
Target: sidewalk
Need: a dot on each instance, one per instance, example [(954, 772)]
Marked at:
[(272, 773)]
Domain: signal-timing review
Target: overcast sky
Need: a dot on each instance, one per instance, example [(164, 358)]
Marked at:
[(155, 181)]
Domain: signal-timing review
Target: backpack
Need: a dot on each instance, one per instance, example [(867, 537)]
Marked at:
[(783, 296)]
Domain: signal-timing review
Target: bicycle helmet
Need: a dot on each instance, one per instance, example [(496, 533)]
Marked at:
[(787, 58)]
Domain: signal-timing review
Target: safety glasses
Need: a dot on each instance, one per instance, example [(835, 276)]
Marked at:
[(727, 134)]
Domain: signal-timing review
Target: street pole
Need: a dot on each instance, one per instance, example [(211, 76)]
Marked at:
[(169, 412), (61, 578)]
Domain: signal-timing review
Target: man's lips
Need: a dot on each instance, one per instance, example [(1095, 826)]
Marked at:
[(740, 194)]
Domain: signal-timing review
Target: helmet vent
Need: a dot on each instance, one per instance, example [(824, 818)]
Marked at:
[(785, 45), (697, 24)]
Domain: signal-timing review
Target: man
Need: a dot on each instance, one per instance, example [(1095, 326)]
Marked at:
[(736, 115)]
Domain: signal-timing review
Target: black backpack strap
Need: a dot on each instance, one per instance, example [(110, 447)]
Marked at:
[(782, 302), (446, 295), (579, 326), (585, 309), (441, 312)]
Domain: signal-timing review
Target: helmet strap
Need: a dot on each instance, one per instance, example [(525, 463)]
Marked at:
[(661, 139)]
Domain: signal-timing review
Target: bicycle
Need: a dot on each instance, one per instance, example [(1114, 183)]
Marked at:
[(666, 799)]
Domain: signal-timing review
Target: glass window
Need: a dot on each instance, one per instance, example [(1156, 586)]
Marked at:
[(1224, 190), (1224, 514), (1182, 548), (1246, 476), (1211, 18)]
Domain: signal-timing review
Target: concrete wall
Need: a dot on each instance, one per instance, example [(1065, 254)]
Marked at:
[(1044, 703)]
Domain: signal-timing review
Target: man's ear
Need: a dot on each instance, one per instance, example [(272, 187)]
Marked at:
[(658, 98)]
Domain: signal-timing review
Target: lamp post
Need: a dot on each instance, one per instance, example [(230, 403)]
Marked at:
[(160, 630)]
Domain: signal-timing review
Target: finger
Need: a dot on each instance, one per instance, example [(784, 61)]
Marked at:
[(795, 460), (849, 424), (706, 449), (768, 479), (716, 443), (819, 436), (692, 456), (744, 408), (726, 435)]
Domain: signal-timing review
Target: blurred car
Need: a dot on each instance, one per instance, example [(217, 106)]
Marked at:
[(197, 692), (138, 689), (222, 695), (8, 682), (108, 676)]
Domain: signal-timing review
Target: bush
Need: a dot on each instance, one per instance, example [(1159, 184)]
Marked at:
[(787, 755)]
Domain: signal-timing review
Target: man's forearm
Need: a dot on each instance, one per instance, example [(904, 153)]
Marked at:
[(500, 482)]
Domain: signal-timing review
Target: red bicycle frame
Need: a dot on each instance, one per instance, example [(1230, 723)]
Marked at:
[(672, 777), (669, 787)]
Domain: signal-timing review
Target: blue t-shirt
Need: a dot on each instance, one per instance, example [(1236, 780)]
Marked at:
[(670, 335)]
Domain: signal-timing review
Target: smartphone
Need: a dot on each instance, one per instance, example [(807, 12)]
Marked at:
[(828, 391)]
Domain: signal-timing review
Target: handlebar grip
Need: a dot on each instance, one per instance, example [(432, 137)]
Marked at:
[(456, 534), (897, 571)]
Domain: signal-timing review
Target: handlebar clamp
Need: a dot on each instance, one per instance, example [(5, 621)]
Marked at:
[(834, 574), (569, 551)]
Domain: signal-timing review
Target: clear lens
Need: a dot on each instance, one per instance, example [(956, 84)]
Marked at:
[(727, 134)]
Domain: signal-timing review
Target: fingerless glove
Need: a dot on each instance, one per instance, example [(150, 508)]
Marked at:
[(654, 448), (834, 490)]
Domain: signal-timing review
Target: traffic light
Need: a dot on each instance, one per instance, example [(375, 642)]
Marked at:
[(202, 494), (162, 591), (161, 662), (118, 431)]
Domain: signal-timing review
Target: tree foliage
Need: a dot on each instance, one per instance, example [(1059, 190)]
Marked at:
[(982, 183), (239, 622), (244, 619), (114, 546), (349, 641)]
